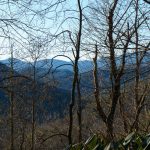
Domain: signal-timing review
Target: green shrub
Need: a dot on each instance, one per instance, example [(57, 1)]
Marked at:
[(132, 142)]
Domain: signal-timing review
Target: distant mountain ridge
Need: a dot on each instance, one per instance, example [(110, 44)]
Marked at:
[(84, 65), (53, 102), (63, 74), (62, 71), (19, 65)]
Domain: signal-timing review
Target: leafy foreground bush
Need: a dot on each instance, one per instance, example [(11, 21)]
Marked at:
[(132, 142)]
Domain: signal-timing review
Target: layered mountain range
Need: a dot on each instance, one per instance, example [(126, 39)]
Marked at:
[(57, 76)]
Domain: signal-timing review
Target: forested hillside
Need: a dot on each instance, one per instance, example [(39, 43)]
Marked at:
[(75, 75)]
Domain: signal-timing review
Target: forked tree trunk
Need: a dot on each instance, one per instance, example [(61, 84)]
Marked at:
[(76, 82)]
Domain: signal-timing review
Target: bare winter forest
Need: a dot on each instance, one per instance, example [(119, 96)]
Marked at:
[(74, 74)]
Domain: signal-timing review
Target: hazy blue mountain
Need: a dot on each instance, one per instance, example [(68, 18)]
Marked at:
[(62, 76), (53, 64), (56, 64), (62, 69), (18, 65), (53, 103), (131, 59)]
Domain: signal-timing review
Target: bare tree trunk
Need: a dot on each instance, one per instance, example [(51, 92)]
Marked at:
[(23, 136), (137, 70), (12, 99), (115, 96), (12, 119), (138, 110), (75, 80), (72, 102), (122, 112), (139, 100), (33, 125), (79, 112), (110, 118), (114, 78), (97, 88), (33, 108)]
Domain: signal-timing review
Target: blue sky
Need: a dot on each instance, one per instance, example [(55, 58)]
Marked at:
[(52, 22), (26, 14)]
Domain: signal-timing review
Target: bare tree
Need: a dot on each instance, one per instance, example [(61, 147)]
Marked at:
[(76, 81), (118, 35), (140, 96)]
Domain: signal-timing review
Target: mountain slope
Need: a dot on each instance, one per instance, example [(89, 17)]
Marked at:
[(50, 100)]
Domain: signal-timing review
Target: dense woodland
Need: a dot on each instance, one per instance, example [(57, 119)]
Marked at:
[(73, 70)]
